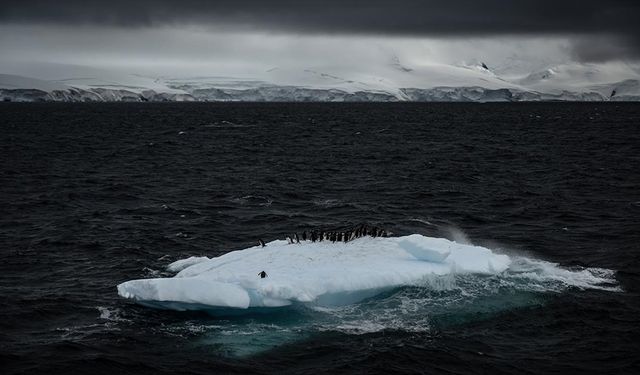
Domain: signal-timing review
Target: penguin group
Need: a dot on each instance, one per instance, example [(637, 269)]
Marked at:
[(361, 230), (345, 236)]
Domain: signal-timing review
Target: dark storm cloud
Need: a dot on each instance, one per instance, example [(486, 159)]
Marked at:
[(615, 22), (601, 49), (408, 17)]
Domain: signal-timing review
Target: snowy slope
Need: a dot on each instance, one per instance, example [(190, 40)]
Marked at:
[(19, 88), (13, 82), (131, 83), (86, 78), (390, 81), (577, 77), (627, 90)]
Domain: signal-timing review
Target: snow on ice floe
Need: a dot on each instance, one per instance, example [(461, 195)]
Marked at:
[(326, 274), (181, 264), (312, 273)]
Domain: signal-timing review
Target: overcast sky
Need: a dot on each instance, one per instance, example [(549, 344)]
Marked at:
[(210, 37)]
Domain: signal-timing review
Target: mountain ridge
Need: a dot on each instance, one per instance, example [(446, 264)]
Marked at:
[(392, 82)]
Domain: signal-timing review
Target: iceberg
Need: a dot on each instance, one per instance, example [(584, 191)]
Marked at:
[(410, 284), (316, 274)]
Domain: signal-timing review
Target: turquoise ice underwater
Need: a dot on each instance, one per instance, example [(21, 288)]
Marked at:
[(411, 283)]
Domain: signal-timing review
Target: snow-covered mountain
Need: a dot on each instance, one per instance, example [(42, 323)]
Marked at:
[(391, 81)]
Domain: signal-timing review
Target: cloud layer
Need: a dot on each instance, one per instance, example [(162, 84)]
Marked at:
[(403, 17), (595, 31)]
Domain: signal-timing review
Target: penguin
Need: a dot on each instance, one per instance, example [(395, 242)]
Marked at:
[(297, 238), (261, 242), (304, 235), (262, 274), (313, 236), (289, 240), (333, 237), (321, 237), (345, 237)]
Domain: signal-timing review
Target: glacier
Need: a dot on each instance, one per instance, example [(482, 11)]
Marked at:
[(326, 274), (394, 82)]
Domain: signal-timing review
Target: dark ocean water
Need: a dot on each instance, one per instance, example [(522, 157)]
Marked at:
[(96, 194)]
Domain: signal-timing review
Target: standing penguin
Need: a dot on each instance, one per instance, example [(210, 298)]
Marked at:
[(297, 238), (261, 242), (304, 235)]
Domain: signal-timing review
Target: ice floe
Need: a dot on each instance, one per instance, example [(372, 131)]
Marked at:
[(311, 273)]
